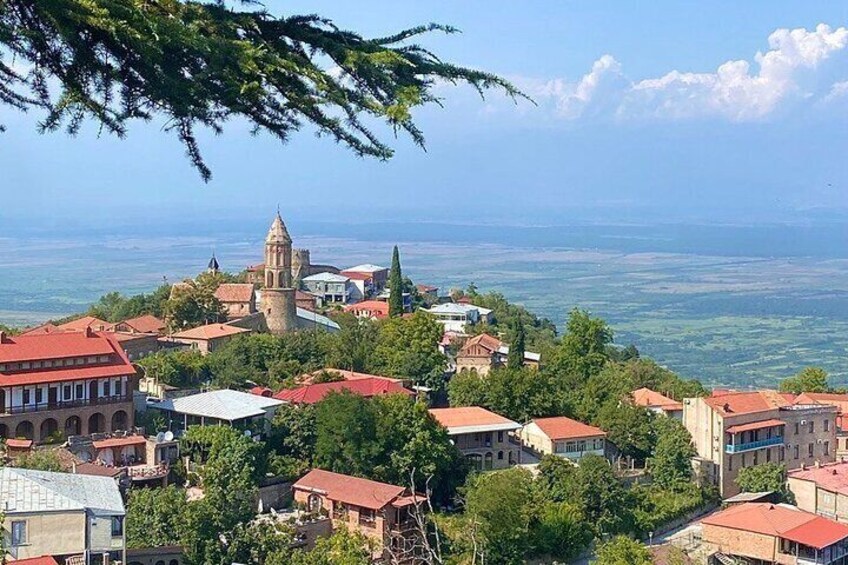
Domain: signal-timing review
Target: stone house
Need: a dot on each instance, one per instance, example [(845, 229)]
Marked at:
[(483, 437), (482, 353), (822, 489), (379, 511), (238, 299), (210, 337), (563, 437)]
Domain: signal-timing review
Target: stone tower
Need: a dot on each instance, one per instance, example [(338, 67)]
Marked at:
[(300, 265), (278, 300)]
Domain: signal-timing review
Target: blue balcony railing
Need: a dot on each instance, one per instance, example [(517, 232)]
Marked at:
[(730, 448)]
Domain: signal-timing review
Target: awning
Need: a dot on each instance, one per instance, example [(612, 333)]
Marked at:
[(19, 443), (119, 442), (755, 426)]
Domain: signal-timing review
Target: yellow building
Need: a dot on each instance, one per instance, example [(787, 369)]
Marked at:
[(63, 515)]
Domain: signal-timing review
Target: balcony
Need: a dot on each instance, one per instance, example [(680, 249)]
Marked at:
[(62, 404), (739, 447)]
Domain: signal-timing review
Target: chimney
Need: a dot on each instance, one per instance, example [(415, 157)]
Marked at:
[(88, 332), (803, 466), (74, 467), (2, 337), (726, 407)]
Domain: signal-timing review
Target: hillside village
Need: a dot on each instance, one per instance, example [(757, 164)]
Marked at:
[(312, 414)]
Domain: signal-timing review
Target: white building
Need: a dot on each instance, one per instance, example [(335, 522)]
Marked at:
[(456, 317), (331, 288), (563, 437)]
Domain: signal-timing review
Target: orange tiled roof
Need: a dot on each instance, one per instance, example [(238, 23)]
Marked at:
[(83, 323), (748, 402), (652, 399), (367, 387), (47, 328), (782, 521), (832, 477), (827, 398), (119, 442), (560, 427), (377, 308), (350, 490), (755, 426), (463, 416), (211, 331), (38, 347), (234, 292), (43, 560), (484, 340), (307, 378), (144, 324)]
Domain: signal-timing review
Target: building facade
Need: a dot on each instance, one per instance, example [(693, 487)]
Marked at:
[(484, 352), (821, 489), (563, 437), (483, 437), (61, 384), (735, 430)]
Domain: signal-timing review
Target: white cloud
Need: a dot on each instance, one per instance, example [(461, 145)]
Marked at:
[(737, 91)]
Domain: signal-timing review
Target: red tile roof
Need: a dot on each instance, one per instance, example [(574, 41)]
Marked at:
[(119, 442), (357, 275), (486, 341), (39, 347), (262, 391), (19, 443), (210, 331), (308, 378), (825, 398), (652, 399), (144, 324), (43, 560), (782, 521), (83, 323), (832, 477), (47, 328), (375, 308), (234, 292), (66, 374), (755, 426), (748, 402), (560, 427), (367, 387), (350, 490), (467, 416)]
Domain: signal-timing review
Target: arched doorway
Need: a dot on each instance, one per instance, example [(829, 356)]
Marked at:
[(49, 427), (96, 423), (73, 426), (314, 503), (119, 421), (25, 430)]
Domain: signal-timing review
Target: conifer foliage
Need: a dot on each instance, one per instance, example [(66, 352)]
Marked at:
[(199, 64), (395, 286)]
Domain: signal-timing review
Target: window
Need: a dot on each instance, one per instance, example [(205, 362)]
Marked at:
[(812, 426), (117, 526), (117, 388), (500, 437), (39, 395), (810, 448), (796, 452), (729, 462), (796, 428), (768, 455), (367, 517), (107, 388), (66, 392), (826, 446), (500, 455), (827, 425), (80, 391), (781, 454), (19, 532), (756, 457), (26, 396)]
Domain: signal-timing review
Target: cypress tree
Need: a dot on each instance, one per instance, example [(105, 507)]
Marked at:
[(515, 360), (395, 286)]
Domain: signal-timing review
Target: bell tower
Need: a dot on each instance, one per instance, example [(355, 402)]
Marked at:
[(278, 300)]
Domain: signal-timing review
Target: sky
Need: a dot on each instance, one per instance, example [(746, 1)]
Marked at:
[(661, 111)]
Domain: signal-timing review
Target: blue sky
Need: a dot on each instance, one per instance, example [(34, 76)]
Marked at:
[(657, 111)]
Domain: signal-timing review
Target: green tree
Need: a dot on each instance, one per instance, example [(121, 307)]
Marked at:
[(501, 502), (264, 541), (293, 431), (395, 286), (191, 305), (345, 430), (671, 463), (560, 531), (467, 389), (628, 427), (766, 477), (558, 479), (155, 516), (809, 379), (352, 346), (115, 307), (40, 460), (341, 548), (583, 350), (515, 360), (201, 64), (604, 499), (622, 550), (408, 348), (187, 368)]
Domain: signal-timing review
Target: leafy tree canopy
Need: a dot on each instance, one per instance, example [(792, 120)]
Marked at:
[(767, 477), (809, 379), (671, 463), (199, 64), (408, 348), (622, 550)]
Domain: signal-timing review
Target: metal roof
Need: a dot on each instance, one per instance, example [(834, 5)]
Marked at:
[(27, 490), (326, 277), (315, 318), (229, 405)]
